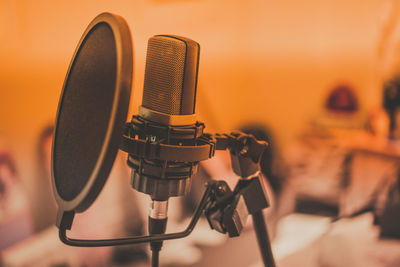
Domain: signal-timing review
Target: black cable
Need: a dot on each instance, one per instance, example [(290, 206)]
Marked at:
[(154, 257), (156, 227), (264, 243)]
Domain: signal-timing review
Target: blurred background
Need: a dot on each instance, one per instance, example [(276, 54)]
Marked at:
[(318, 77)]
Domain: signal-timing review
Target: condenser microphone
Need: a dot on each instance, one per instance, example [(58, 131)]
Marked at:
[(167, 121)]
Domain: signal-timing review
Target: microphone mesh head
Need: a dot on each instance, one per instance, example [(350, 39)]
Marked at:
[(171, 75)]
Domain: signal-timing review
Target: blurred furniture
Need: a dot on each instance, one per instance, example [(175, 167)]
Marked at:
[(15, 229), (15, 218), (339, 171)]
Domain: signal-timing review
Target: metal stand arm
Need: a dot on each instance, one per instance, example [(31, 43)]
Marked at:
[(246, 152)]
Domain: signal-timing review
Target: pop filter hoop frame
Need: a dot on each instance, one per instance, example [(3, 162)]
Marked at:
[(123, 84)]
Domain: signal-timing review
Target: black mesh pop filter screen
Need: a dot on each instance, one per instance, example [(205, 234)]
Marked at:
[(86, 107), (92, 112)]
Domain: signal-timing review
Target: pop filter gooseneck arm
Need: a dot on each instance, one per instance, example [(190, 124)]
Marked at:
[(66, 224), (225, 210)]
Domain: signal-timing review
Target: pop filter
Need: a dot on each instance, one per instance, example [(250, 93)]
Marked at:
[(92, 112)]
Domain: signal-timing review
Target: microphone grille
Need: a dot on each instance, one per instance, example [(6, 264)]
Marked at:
[(171, 75)]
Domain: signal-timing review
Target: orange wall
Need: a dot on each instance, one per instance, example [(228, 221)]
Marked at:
[(272, 61)]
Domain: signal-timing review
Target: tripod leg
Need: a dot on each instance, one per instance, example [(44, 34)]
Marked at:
[(264, 244)]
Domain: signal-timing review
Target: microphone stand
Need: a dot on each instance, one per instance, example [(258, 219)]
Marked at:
[(225, 210), (260, 227)]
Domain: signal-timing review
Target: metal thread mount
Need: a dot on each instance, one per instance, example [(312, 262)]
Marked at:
[(160, 189), (158, 209)]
